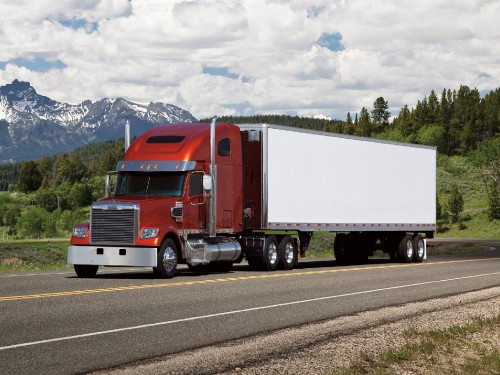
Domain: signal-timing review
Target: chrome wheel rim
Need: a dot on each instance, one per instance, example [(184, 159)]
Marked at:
[(409, 249), (169, 259), (272, 253), (420, 249), (289, 252)]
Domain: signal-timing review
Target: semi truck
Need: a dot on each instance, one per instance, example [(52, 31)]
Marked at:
[(212, 194)]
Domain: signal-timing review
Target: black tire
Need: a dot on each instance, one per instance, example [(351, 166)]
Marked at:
[(405, 249), (167, 260), (270, 253), (418, 248), (86, 270), (287, 253), (340, 248)]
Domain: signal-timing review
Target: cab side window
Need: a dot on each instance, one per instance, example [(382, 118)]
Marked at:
[(224, 147), (195, 184)]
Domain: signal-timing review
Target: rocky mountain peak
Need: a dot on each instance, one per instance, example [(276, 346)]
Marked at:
[(28, 115)]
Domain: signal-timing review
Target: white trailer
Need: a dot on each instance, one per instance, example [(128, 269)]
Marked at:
[(376, 194)]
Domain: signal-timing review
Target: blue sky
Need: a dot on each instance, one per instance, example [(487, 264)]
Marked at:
[(244, 57)]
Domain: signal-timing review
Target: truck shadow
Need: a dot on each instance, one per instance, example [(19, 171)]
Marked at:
[(183, 272)]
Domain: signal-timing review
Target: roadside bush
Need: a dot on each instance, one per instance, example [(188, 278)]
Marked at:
[(494, 203), (80, 196), (67, 220), (32, 223), (455, 204)]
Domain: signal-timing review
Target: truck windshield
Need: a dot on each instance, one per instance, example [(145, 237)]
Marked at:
[(168, 184)]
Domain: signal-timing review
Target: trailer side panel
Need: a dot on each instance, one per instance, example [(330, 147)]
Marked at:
[(324, 181)]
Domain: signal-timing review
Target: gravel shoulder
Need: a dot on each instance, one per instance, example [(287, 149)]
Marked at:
[(319, 348)]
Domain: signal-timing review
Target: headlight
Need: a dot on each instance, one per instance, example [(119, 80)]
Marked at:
[(80, 232), (149, 233)]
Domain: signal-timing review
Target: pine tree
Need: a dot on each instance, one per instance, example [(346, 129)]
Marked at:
[(380, 114), (349, 128), (30, 178)]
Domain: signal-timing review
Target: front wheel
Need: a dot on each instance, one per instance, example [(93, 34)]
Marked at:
[(166, 264), (86, 270)]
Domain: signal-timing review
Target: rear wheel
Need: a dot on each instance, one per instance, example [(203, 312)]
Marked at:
[(270, 255), (167, 260), (287, 253), (86, 270), (405, 249), (418, 248)]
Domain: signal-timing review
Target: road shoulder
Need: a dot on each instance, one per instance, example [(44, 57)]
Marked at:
[(320, 347)]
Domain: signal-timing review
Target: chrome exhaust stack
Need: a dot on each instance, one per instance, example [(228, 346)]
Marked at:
[(127, 135), (212, 210)]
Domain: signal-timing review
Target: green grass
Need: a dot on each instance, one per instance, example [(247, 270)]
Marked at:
[(449, 350), (474, 219), (442, 248), (33, 255)]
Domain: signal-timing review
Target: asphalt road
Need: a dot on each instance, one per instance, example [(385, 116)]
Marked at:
[(55, 323)]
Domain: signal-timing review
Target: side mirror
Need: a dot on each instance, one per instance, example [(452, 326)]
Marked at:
[(109, 184)]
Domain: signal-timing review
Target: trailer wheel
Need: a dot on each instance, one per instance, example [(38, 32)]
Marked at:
[(86, 270), (419, 248), (167, 259), (270, 255), (340, 248), (405, 249), (287, 253)]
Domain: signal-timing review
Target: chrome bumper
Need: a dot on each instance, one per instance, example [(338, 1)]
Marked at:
[(112, 256)]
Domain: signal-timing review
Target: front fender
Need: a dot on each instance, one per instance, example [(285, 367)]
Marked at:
[(165, 231)]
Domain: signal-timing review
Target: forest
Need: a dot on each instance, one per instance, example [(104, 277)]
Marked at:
[(44, 198)]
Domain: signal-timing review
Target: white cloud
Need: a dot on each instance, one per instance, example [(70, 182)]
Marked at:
[(156, 50)]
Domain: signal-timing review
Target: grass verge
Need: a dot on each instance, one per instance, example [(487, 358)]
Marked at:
[(33, 255), (438, 352)]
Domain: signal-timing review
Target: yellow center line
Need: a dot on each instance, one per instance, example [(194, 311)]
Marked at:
[(229, 279)]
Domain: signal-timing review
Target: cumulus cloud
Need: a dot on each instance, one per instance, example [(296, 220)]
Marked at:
[(210, 57)]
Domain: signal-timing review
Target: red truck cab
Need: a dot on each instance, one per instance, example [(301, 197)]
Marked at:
[(160, 203)]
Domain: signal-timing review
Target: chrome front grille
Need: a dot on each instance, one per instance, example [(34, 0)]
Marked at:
[(114, 223)]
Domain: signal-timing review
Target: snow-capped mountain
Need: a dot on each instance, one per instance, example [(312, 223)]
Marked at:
[(33, 125)]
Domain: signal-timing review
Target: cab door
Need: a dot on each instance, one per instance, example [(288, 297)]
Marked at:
[(194, 205)]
